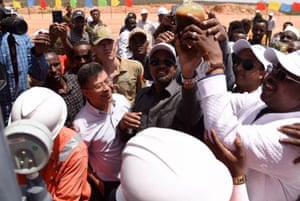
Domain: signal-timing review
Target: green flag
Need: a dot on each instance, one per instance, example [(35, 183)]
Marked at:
[(102, 3), (73, 3)]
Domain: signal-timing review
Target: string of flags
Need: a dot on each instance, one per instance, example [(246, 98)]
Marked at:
[(278, 6), (260, 5), (73, 3)]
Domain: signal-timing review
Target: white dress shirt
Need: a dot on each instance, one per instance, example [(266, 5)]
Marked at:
[(271, 174)]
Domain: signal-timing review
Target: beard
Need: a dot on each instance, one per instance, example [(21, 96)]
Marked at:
[(164, 80)]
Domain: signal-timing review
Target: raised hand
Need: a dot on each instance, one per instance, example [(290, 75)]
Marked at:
[(234, 160), (292, 130)]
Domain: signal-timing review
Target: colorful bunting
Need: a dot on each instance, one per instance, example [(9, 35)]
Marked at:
[(58, 3), (274, 5), (102, 3), (73, 3), (88, 3), (296, 6), (259, 6), (16, 4), (30, 3), (43, 4), (128, 3), (114, 3), (286, 8)]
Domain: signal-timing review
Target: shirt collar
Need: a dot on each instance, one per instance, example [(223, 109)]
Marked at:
[(171, 89), (96, 111)]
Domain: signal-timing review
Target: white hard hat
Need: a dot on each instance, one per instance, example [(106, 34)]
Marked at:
[(161, 164), (42, 105)]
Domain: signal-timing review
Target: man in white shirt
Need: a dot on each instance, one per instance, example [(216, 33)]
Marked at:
[(271, 174), (97, 123), (146, 25), (123, 40), (270, 28)]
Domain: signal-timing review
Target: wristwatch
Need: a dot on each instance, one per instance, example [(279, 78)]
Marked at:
[(189, 83), (239, 180)]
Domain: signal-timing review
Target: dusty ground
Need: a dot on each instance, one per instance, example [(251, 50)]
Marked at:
[(114, 16)]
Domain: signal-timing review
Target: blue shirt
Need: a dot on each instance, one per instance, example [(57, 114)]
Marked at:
[(28, 63)]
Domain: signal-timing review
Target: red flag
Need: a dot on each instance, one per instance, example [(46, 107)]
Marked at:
[(261, 6), (43, 4), (296, 6), (128, 3)]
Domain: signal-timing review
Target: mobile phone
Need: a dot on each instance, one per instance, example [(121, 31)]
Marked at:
[(57, 16)]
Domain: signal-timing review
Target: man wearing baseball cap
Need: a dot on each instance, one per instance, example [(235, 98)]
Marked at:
[(165, 103), (249, 66), (126, 73), (139, 46), (161, 13), (270, 27), (270, 172), (77, 32), (145, 24)]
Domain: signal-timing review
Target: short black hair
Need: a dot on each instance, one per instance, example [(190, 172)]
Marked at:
[(93, 10), (88, 71)]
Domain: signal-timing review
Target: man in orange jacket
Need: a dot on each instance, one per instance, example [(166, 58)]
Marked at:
[(65, 174)]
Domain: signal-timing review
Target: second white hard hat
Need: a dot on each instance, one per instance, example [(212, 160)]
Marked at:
[(167, 165)]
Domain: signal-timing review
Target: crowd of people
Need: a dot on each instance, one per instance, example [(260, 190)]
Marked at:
[(152, 113)]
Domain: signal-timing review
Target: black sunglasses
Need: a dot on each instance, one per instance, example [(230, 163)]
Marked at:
[(85, 57), (279, 74), (167, 62), (247, 63)]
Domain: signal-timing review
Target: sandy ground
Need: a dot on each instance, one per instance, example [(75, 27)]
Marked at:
[(114, 16)]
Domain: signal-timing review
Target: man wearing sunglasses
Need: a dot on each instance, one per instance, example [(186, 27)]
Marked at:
[(81, 54), (270, 172), (165, 103), (249, 66)]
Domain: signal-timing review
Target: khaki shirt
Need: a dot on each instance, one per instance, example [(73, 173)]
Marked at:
[(129, 78)]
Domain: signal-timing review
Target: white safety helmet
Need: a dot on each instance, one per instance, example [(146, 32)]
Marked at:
[(42, 105), (161, 164)]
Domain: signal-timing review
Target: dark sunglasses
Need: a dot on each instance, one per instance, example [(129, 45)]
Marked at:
[(167, 62), (85, 57), (247, 63), (54, 64), (279, 74)]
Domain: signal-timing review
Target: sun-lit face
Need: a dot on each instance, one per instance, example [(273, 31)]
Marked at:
[(98, 90), (105, 50)]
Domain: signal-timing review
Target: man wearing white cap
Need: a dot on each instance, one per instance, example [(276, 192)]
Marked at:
[(271, 174), (271, 26), (249, 66), (161, 12), (146, 25), (290, 33), (165, 103)]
